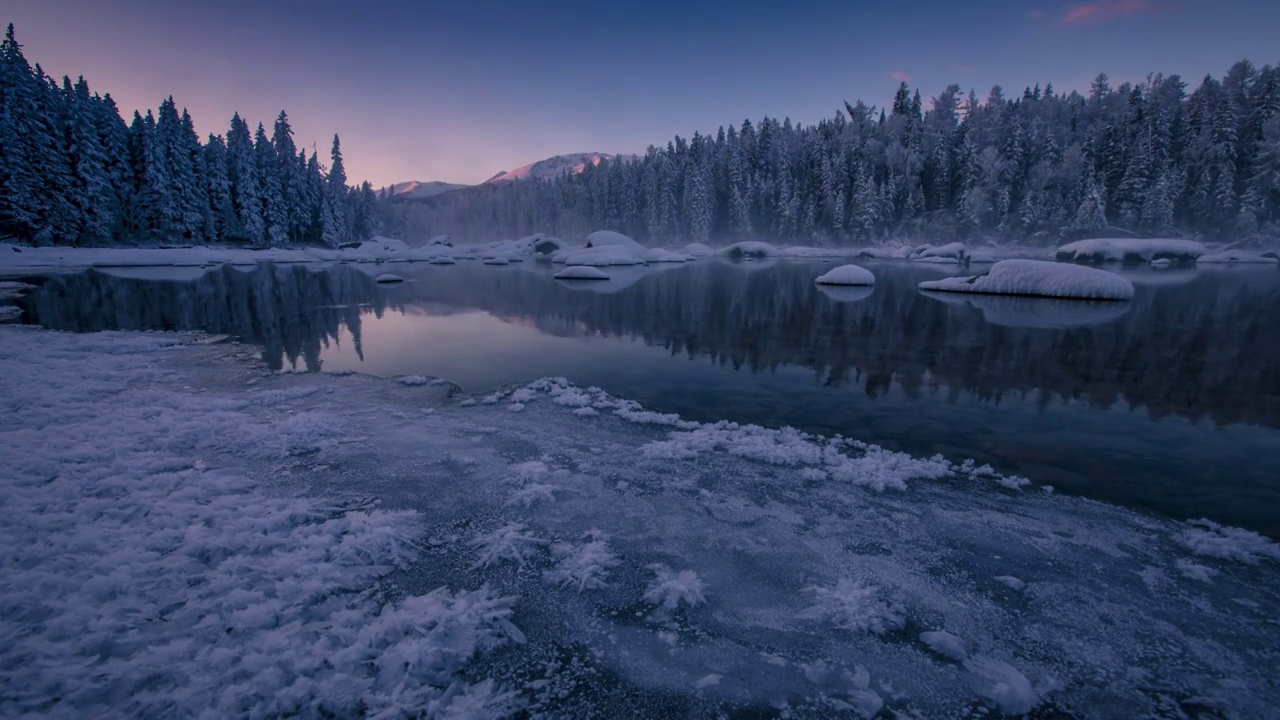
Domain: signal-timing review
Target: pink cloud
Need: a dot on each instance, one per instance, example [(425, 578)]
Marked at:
[(1104, 10), (900, 75)]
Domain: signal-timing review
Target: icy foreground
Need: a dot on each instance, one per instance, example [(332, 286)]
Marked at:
[(185, 533), (1039, 278)]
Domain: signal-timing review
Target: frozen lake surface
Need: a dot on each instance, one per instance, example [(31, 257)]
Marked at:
[(1169, 403)]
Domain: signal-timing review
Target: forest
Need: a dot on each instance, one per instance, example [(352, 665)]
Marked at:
[(1040, 167), (72, 172)]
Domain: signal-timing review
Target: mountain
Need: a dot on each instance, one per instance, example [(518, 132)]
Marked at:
[(553, 167), (417, 189)]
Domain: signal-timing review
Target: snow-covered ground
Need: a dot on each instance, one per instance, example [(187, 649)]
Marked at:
[(185, 533)]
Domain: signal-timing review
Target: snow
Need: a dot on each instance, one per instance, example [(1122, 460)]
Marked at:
[(981, 257), (609, 238), (945, 644), (388, 278), (159, 491), (1236, 256), (1011, 582), (751, 249), (954, 252), (1039, 278), (847, 275), (440, 240), (661, 255), (599, 256), (1130, 250), (699, 250), (581, 272)]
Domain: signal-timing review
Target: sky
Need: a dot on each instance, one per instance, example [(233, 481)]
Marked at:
[(457, 91)]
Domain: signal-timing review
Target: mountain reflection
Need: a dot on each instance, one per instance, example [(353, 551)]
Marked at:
[(1207, 346)]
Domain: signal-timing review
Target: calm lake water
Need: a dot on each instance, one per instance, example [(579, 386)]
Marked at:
[(1169, 404)]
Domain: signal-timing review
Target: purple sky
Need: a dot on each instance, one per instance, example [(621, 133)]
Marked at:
[(457, 91)]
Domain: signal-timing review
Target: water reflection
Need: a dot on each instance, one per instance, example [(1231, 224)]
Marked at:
[(1207, 347)]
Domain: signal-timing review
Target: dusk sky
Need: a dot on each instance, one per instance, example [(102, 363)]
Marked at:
[(458, 91)]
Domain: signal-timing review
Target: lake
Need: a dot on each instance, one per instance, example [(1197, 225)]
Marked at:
[(1168, 404)]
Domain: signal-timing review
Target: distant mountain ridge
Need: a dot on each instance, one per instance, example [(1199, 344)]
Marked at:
[(547, 169), (553, 167), (416, 189)]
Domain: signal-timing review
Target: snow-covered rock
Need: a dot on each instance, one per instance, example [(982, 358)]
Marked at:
[(881, 253), (609, 238), (1130, 250), (935, 260), (847, 275), (499, 260), (981, 256), (662, 255), (751, 249), (599, 256), (581, 272), (388, 278), (1039, 278), (699, 250), (951, 251), (442, 260), (1236, 256), (444, 240)]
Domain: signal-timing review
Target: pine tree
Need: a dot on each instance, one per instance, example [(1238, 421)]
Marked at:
[(97, 203), (275, 212), (246, 188), (333, 212), (222, 211)]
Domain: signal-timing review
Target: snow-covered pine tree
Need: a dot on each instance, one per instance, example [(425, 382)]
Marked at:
[(275, 213), (246, 188)]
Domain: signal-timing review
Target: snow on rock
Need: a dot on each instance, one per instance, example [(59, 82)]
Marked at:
[(699, 250), (1193, 570), (855, 606), (1130, 250), (981, 257), (443, 240), (661, 255), (601, 256), (497, 261), (669, 588), (881, 253), (584, 566), (609, 238), (945, 644), (1236, 256), (847, 275), (388, 278), (751, 249), (954, 252), (414, 380), (581, 272), (1039, 278), (1209, 539)]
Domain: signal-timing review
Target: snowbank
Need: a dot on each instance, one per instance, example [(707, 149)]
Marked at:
[(609, 238), (847, 275), (581, 272), (1038, 278), (699, 250), (1130, 250), (443, 240), (954, 252), (1236, 256), (601, 256)]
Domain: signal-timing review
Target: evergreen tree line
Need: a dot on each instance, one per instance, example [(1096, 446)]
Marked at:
[(1144, 158), (72, 172)]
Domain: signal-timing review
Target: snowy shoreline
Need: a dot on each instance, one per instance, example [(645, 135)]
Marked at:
[(542, 511)]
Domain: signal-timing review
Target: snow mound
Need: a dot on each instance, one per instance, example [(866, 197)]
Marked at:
[(881, 253), (602, 256), (699, 250), (1236, 256), (982, 257), (847, 275), (954, 252), (1130, 250), (609, 238), (751, 249), (388, 278), (661, 255), (581, 272), (1039, 278), (443, 240), (1209, 539), (945, 644)]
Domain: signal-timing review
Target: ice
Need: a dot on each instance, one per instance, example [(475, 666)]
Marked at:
[(150, 503), (583, 566), (581, 272), (855, 606), (1038, 278), (1209, 539), (1011, 582), (1237, 256), (945, 644), (1130, 250), (669, 589), (388, 278), (847, 275)]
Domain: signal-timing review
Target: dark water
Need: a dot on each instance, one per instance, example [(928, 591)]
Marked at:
[(1170, 403)]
